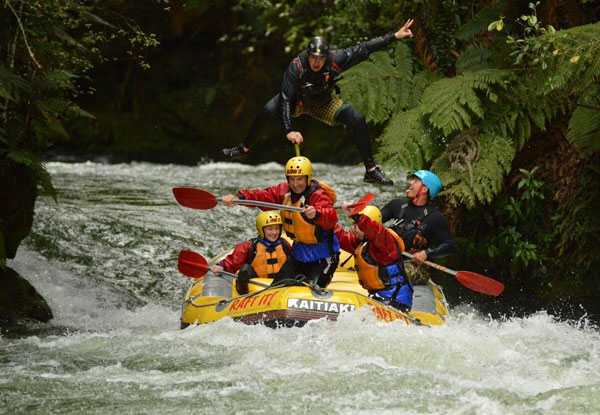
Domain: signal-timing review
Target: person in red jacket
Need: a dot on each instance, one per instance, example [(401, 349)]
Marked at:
[(377, 257), (259, 257), (315, 252)]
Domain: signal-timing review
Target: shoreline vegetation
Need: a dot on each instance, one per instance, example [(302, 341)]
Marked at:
[(500, 98)]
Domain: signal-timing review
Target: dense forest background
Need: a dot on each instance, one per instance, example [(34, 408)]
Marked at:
[(500, 98)]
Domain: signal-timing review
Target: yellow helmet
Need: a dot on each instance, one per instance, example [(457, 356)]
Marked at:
[(299, 166), (373, 213), (266, 219)]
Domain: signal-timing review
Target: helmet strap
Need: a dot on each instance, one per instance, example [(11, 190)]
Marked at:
[(419, 193)]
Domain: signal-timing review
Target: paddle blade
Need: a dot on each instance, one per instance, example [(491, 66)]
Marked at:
[(192, 265), (194, 198), (362, 203), (479, 283)]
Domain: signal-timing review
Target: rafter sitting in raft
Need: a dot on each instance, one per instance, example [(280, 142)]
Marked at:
[(260, 257)]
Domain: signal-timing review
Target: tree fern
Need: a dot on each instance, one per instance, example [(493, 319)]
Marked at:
[(577, 57), (407, 142), (584, 130), (473, 166), (474, 58), (480, 22), (451, 102), (380, 85), (53, 80)]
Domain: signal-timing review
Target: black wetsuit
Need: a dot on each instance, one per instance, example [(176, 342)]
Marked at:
[(434, 227), (302, 86)]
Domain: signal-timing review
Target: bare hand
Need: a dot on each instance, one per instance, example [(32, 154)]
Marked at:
[(405, 30), (295, 137), (346, 207), (356, 231), (310, 212), (419, 257), (228, 200), (216, 269)]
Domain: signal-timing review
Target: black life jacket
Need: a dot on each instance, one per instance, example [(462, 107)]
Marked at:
[(412, 232), (316, 87)]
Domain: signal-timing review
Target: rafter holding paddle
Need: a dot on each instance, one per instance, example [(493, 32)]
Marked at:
[(194, 265), (203, 200)]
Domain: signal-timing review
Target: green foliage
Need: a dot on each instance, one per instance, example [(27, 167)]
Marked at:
[(480, 22), (451, 103), (473, 166), (584, 130), (50, 48), (407, 142)]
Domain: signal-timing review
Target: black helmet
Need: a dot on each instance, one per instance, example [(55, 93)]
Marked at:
[(318, 46)]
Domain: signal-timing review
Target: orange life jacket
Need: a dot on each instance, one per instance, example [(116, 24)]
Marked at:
[(267, 261), (374, 276), (294, 224)]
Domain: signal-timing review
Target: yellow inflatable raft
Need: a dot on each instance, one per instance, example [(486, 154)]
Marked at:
[(215, 297)]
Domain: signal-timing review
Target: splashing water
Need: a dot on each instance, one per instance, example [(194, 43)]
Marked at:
[(105, 260)]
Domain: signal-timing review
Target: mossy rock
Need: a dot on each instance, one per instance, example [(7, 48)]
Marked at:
[(20, 300)]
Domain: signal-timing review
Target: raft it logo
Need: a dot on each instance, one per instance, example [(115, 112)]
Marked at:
[(325, 306)]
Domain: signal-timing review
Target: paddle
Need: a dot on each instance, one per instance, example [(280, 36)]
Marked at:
[(201, 199), (297, 147), (471, 280), (194, 265)]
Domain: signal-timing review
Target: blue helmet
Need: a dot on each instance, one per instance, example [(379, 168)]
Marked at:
[(433, 183)]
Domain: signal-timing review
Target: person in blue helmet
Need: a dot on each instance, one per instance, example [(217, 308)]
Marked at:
[(422, 227)]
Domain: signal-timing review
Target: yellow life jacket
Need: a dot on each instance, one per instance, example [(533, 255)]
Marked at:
[(374, 276), (295, 225), (267, 261)]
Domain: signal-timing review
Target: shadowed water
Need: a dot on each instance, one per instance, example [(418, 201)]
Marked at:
[(105, 260)]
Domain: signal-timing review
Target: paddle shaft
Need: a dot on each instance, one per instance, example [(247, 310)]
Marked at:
[(432, 264), (222, 274), (264, 204)]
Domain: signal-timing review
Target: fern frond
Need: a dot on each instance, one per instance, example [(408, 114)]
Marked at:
[(404, 68), (38, 168), (407, 142), (480, 22), (12, 86), (474, 58), (450, 102), (54, 80), (473, 166), (381, 85), (578, 58), (584, 130)]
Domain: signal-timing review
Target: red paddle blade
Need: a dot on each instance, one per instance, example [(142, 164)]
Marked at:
[(479, 283), (194, 198), (192, 265), (362, 203)]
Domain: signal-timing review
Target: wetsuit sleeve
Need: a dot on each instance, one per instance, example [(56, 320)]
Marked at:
[(291, 82), (382, 245), (392, 209), (348, 241), (273, 194), (441, 232), (234, 261), (346, 58), (326, 216)]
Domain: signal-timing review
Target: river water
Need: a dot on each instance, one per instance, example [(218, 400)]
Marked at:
[(105, 258)]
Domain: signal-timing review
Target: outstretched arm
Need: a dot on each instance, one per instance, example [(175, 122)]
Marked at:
[(346, 58)]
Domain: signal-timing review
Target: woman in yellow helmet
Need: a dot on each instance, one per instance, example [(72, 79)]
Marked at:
[(259, 257), (315, 253)]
